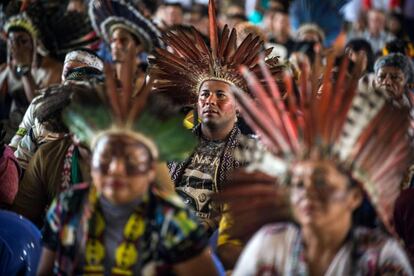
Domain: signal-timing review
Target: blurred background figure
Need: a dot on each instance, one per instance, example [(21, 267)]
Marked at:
[(169, 14), (375, 32), (232, 15)]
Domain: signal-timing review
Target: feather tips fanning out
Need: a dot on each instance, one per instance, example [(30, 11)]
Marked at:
[(189, 61), (361, 131)]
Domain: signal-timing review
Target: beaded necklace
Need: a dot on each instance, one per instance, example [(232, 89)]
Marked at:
[(126, 254)]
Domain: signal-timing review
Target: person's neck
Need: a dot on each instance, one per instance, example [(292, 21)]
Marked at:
[(215, 133), (375, 33), (281, 37), (327, 239), (120, 70)]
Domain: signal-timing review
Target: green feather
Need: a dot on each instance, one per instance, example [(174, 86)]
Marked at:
[(174, 142), (86, 121)]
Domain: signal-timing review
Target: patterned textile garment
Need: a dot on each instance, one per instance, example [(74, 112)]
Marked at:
[(171, 234), (204, 173), (30, 135), (278, 250)]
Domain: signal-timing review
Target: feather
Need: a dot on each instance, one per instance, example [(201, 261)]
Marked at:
[(190, 61), (246, 199), (214, 40), (367, 139)]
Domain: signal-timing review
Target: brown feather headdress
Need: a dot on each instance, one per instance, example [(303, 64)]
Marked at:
[(362, 132), (191, 61)]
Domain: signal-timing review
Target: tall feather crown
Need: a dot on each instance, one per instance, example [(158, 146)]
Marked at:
[(106, 15), (362, 132), (191, 61)]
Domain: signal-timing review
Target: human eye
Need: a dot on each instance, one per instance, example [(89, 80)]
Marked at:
[(297, 184), (221, 95), (396, 77), (204, 94)]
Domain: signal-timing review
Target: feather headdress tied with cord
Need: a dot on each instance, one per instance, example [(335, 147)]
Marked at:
[(150, 119), (191, 61), (107, 15), (362, 132)]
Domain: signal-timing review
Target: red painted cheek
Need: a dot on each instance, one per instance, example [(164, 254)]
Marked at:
[(226, 107)]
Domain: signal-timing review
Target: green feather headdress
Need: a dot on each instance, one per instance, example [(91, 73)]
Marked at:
[(151, 119)]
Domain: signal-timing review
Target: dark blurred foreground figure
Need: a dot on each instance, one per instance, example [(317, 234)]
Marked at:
[(324, 166), (20, 245)]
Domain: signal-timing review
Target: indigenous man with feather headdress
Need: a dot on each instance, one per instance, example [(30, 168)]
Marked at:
[(202, 78)]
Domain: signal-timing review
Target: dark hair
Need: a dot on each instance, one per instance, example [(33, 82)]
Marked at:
[(19, 29), (397, 46), (306, 47), (237, 16), (359, 44), (201, 9), (173, 4)]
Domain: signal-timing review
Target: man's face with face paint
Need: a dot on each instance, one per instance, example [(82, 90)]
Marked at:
[(321, 194), (123, 42), (216, 104), (122, 168)]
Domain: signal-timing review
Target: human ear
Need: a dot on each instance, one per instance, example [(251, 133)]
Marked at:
[(356, 198)]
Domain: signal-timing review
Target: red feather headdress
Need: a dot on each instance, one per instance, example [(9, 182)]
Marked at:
[(181, 71), (362, 132)]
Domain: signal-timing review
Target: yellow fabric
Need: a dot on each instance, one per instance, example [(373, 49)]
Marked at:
[(224, 236), (189, 120)]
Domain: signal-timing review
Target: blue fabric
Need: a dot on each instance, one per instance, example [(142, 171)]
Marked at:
[(219, 266), (20, 245), (104, 52)]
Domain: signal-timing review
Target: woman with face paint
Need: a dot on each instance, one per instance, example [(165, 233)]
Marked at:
[(326, 164), (125, 222)]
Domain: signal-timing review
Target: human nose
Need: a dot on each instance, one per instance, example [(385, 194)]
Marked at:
[(116, 166), (211, 99), (116, 44), (387, 79)]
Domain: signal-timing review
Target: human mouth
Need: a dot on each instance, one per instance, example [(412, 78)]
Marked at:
[(210, 112), (116, 183), (308, 208)]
